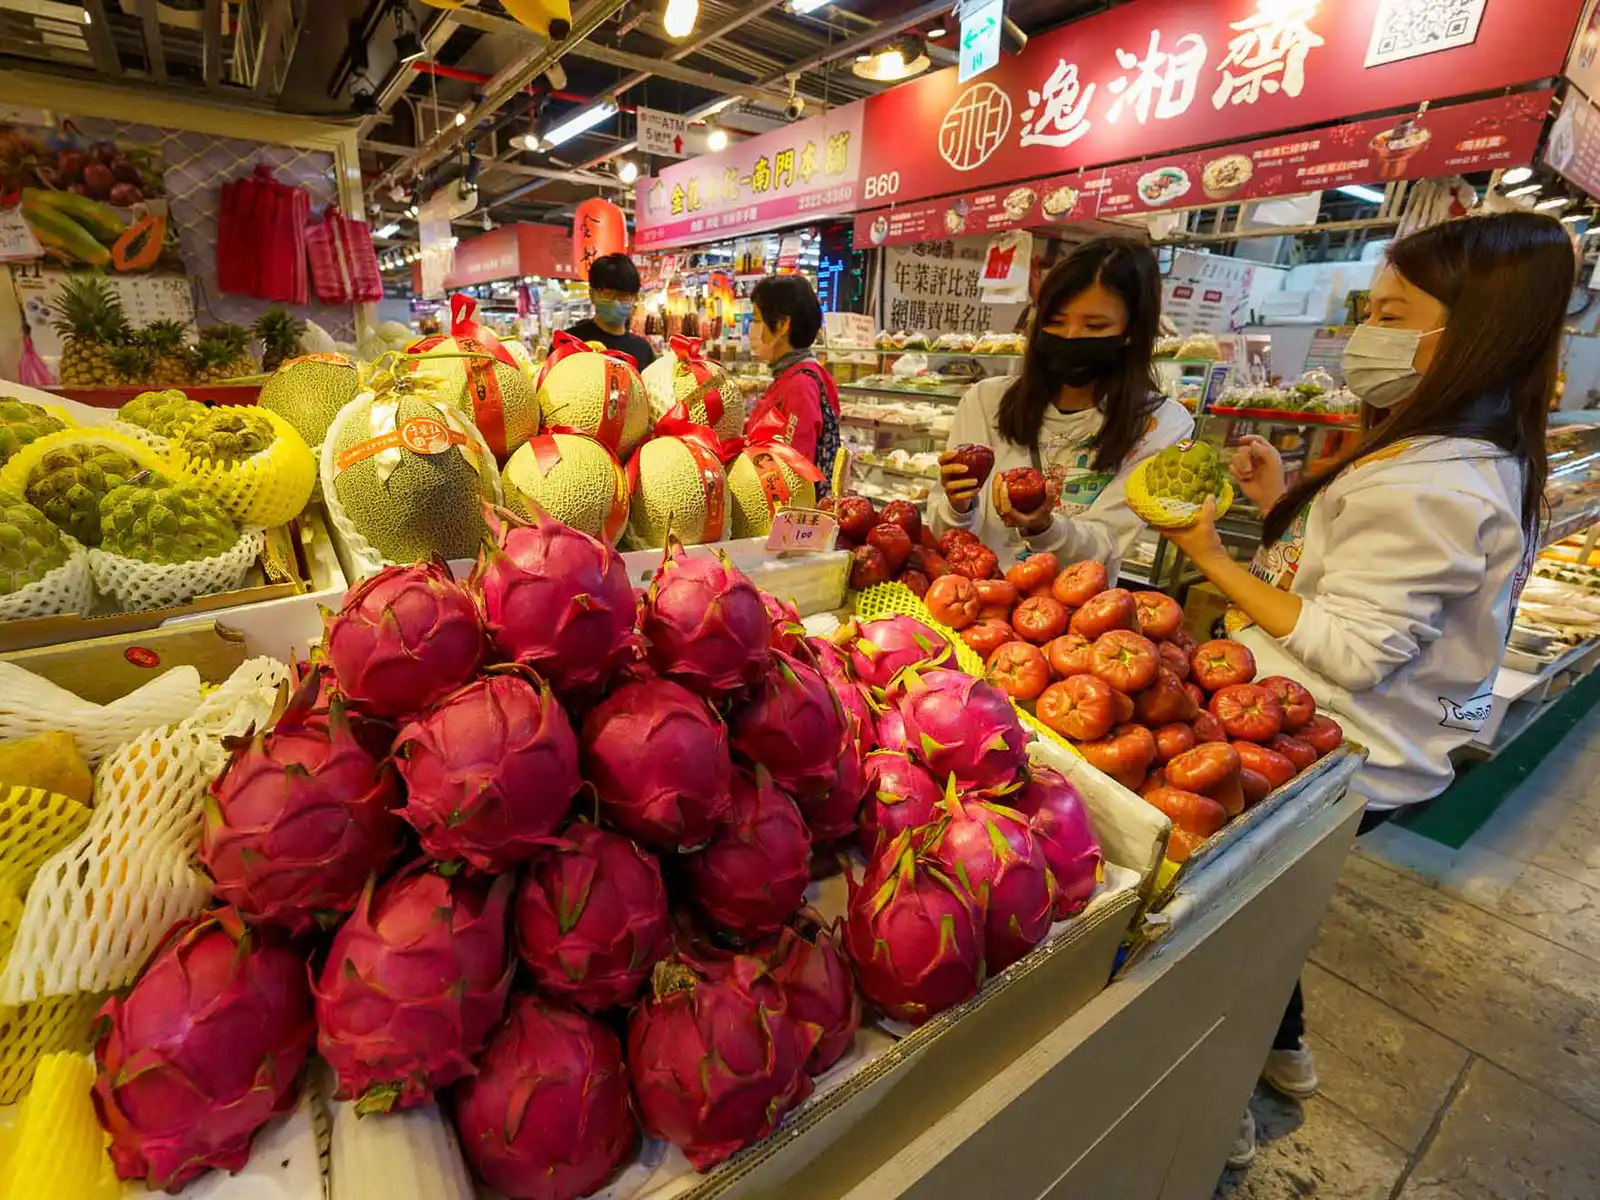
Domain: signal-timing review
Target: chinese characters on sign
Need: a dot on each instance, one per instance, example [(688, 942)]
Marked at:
[(936, 285)]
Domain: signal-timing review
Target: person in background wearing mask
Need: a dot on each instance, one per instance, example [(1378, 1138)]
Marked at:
[(614, 290), (783, 326), (1085, 411), (1387, 584)]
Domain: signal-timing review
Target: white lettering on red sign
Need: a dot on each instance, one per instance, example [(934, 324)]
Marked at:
[(1059, 114), (1167, 79), (1269, 55)]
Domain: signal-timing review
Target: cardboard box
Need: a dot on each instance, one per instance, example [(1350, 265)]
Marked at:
[(1204, 605)]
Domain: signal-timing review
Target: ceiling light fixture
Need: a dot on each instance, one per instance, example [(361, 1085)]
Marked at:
[(1553, 202), (1571, 218), (387, 231), (408, 46), (88, 17), (413, 211), (627, 170), (1528, 190), (679, 19), (896, 60), (1370, 195), (717, 139), (1515, 176), (936, 33), (461, 118), (582, 123), (801, 7)]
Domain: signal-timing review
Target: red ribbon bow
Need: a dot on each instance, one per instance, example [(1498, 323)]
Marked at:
[(565, 345), (462, 326), (766, 434), (708, 454)]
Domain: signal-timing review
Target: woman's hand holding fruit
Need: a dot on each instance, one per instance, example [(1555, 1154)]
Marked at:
[(963, 470), (1258, 470)]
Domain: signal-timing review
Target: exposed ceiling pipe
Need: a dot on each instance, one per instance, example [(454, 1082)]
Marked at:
[(423, 67)]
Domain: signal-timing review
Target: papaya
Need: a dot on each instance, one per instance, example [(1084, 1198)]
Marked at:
[(140, 246), (62, 235), (101, 220)]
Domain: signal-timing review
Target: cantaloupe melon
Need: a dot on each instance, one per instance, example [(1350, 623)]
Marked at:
[(759, 486), (679, 488), (711, 393), (497, 398), (574, 479), (598, 395), (309, 391), (411, 474)]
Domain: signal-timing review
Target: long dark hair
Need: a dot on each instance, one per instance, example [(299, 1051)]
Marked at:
[(1504, 281), (1128, 395)]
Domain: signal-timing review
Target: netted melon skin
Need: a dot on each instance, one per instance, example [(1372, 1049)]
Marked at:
[(674, 492)]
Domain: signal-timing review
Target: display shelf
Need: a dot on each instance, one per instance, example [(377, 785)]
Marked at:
[(1565, 527), (1285, 417), (1522, 697), (856, 389), (899, 472), (896, 427)]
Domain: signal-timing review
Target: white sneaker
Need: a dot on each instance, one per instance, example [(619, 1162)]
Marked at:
[(1244, 1145), (1292, 1072)]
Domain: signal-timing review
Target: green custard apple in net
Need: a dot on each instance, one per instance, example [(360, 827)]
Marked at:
[(229, 437), (68, 483), (157, 520), (21, 423), (1167, 490), (167, 414), (30, 546)]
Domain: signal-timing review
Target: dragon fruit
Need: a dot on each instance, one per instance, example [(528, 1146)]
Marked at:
[(546, 1117), (716, 1063), (414, 982), (753, 876), (375, 735), (831, 816), (592, 918), (993, 854), (490, 770), (405, 638), (300, 817), (914, 934), (880, 650), (787, 632), (853, 697), (793, 726), (204, 1050), (557, 600), (901, 795), (891, 731), (1060, 820), (962, 726), (811, 968), (658, 757), (704, 625)]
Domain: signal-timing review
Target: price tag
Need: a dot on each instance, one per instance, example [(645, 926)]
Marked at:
[(17, 243), (809, 530)]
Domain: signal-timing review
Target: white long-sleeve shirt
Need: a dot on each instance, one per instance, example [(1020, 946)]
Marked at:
[(1093, 519), (1408, 577)]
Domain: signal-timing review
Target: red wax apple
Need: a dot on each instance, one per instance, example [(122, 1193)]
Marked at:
[(1079, 708), (1221, 663), (1248, 712), (1019, 670), (1025, 488), (978, 460)]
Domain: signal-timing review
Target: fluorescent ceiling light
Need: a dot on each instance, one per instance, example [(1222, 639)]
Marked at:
[(801, 7), (388, 231), (88, 18), (679, 19), (717, 139), (1370, 195), (582, 123), (1516, 175), (1573, 217), (937, 32), (1529, 190), (412, 211), (408, 47), (1553, 202)]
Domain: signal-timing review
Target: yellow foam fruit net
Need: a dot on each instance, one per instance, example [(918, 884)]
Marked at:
[(57, 1148), (266, 490), (48, 760), (34, 824), (896, 599), (1160, 512), (14, 475), (28, 1033), (31, 704), (100, 906)]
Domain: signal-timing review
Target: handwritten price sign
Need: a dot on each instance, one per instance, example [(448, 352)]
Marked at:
[(808, 530)]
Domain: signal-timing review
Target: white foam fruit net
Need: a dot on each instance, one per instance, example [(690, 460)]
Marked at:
[(31, 704), (67, 589), (138, 586), (145, 437), (100, 906)]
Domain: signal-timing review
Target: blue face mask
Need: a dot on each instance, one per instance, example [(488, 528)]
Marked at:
[(614, 312)]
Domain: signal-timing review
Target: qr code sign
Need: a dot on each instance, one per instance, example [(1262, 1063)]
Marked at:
[(1405, 29)]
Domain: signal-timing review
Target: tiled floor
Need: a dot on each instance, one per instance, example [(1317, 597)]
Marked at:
[(1453, 1001)]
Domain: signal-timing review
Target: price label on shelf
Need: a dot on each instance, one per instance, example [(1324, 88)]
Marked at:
[(809, 530)]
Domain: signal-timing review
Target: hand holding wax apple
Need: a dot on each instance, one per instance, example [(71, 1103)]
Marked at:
[(963, 471), (1023, 498)]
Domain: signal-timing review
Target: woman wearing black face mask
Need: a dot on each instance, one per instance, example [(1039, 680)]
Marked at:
[(1085, 411)]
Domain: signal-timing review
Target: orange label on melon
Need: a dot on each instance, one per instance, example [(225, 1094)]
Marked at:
[(715, 486), (483, 387), (420, 435), (772, 480)]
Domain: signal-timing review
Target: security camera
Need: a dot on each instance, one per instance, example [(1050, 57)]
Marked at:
[(796, 106)]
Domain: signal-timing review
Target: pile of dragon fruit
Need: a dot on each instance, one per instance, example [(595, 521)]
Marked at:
[(538, 848)]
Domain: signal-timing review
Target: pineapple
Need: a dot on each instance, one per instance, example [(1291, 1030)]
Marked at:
[(131, 364), (169, 353), (223, 354), (89, 316), (280, 338)]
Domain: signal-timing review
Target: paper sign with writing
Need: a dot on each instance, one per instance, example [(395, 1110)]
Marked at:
[(808, 530), (17, 243), (663, 134)]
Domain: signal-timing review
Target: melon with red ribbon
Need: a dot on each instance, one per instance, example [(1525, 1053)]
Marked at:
[(770, 474), (490, 384), (597, 392), (574, 479), (677, 486), (684, 375)]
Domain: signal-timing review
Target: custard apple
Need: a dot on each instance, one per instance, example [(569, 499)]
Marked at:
[(67, 485), (21, 423), (166, 414), (30, 547), (1187, 471), (227, 437), (156, 520)]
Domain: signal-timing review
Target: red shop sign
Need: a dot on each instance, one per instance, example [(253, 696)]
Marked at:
[(1454, 139), (1147, 77)]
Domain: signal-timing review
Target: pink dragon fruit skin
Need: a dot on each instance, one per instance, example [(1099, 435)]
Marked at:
[(1060, 819), (853, 697), (546, 1117), (794, 726), (901, 795), (880, 650), (754, 874), (490, 770), (592, 918), (914, 934), (891, 731), (414, 982), (993, 854), (787, 632), (716, 1063), (557, 600), (814, 973), (658, 757), (300, 817), (704, 625), (962, 726), (832, 816), (204, 1050), (405, 638)]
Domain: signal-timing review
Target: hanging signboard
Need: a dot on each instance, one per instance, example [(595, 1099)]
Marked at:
[(1484, 134), (980, 36), (809, 169), (1144, 78), (1574, 145), (662, 134), (510, 252), (1583, 61)]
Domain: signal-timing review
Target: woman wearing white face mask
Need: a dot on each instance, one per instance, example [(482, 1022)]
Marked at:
[(1387, 583)]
